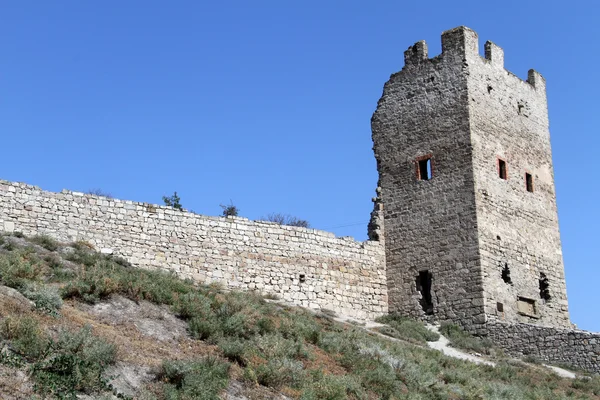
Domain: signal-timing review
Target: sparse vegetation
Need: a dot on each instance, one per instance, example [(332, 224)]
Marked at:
[(230, 210), (407, 329), (46, 242), (200, 379), (258, 343), (173, 201), (284, 219), (63, 365), (99, 192), (463, 340)]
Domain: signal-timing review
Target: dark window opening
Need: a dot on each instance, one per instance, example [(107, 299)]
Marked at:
[(424, 169), (424, 287), (506, 274), (529, 182), (544, 287), (502, 169), (500, 307), (490, 89), (302, 278)]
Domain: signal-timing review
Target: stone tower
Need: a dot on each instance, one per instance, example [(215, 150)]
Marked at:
[(466, 179)]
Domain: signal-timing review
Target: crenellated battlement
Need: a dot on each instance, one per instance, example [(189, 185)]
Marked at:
[(460, 45)]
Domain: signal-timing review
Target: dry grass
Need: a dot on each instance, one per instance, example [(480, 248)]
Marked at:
[(297, 354)]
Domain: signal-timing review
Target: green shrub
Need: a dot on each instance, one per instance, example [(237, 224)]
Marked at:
[(19, 268), (230, 210), (18, 234), (204, 329), (82, 254), (331, 387), (46, 242), (25, 335), (278, 372), (235, 350), (202, 379), (101, 276), (407, 329), (460, 339), (381, 379), (46, 298), (588, 384), (194, 304), (173, 201), (75, 362)]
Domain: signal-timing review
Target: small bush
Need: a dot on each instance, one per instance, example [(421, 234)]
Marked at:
[(46, 242), (284, 219), (407, 329), (460, 339), (173, 201), (588, 384), (279, 372), (230, 210), (46, 298), (331, 387), (101, 276), (19, 268), (205, 329), (235, 350), (82, 254), (25, 335), (75, 362), (381, 379), (18, 234), (99, 192), (203, 379)]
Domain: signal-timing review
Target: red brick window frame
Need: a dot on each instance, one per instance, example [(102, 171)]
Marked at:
[(502, 168), (421, 164), (529, 181)]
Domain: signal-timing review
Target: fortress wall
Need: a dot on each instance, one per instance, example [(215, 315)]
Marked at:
[(308, 267), (572, 347)]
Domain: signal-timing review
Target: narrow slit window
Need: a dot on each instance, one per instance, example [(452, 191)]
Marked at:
[(506, 274), (502, 169), (424, 168), (544, 287), (529, 182)]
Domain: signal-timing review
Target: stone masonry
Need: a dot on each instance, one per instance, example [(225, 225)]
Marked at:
[(307, 267), (464, 226), (463, 153), (572, 347)]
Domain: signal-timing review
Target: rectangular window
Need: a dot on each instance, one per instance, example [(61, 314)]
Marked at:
[(502, 169), (529, 182), (424, 168)]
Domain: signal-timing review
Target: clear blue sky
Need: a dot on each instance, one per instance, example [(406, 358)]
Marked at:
[(268, 103)]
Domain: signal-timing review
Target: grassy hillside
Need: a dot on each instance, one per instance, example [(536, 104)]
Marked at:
[(89, 324)]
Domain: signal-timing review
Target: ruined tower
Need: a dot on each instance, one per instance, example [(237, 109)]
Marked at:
[(466, 179)]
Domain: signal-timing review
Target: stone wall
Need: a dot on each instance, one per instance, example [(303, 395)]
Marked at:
[(576, 348), (308, 267)]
